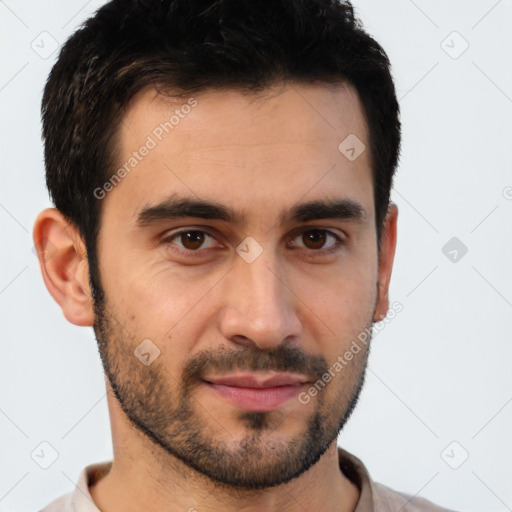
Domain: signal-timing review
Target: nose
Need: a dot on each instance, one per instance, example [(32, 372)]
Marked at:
[(260, 308)]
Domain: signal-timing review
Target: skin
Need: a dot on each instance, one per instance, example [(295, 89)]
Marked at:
[(259, 155)]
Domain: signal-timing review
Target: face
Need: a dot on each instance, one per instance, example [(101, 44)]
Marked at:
[(238, 261)]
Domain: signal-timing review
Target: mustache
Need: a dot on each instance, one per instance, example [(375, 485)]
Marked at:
[(282, 358)]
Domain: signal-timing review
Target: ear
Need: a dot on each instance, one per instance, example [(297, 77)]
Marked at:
[(63, 261), (386, 258)]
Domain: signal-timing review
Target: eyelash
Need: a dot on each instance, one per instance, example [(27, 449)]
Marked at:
[(320, 252)]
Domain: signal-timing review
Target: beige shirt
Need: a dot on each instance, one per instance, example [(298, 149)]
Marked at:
[(374, 497)]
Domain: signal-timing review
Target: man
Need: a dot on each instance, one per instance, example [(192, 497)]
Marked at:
[(221, 173)]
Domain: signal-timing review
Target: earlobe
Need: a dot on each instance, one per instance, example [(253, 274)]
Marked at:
[(387, 255), (64, 266)]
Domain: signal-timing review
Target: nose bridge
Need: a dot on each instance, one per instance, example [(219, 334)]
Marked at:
[(258, 304)]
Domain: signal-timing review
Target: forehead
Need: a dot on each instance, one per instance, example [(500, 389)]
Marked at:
[(259, 152), (301, 112)]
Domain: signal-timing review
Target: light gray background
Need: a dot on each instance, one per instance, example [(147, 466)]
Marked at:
[(439, 372)]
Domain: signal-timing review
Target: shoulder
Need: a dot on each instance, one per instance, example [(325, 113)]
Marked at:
[(80, 500), (62, 504), (377, 497), (387, 499)]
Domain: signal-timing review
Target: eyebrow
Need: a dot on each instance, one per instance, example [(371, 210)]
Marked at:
[(182, 207)]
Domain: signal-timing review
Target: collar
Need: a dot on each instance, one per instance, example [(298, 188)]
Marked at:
[(349, 464)]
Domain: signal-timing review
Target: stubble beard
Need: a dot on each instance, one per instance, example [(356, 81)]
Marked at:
[(260, 458)]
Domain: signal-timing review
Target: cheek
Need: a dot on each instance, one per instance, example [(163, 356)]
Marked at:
[(168, 308), (155, 293), (344, 300), (339, 319)]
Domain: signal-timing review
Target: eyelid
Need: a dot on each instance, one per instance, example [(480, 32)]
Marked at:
[(340, 240), (168, 239)]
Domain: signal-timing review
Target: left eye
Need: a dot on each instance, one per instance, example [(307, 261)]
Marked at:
[(315, 239)]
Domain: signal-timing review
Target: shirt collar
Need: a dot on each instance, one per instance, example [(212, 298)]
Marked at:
[(349, 464)]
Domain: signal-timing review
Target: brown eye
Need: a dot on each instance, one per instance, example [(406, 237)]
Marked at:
[(190, 240), (314, 239), (314, 242)]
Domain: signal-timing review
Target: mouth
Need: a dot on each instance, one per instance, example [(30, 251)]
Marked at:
[(257, 392)]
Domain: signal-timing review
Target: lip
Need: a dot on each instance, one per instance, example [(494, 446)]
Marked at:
[(253, 380), (258, 393)]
